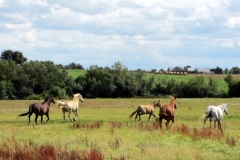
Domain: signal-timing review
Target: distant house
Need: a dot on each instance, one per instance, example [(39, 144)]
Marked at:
[(170, 69), (188, 68), (204, 70)]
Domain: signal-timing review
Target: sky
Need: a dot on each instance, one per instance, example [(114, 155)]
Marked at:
[(141, 34)]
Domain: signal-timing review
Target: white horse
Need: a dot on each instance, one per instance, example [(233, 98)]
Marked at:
[(71, 106), (215, 113)]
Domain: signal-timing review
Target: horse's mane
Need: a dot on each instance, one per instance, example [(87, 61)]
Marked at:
[(76, 95), (222, 105), (46, 99)]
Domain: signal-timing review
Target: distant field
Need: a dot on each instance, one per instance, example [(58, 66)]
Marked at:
[(219, 78), (76, 72), (104, 125)]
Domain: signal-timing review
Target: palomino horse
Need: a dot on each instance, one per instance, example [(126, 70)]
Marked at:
[(71, 106), (146, 109), (215, 113), (39, 109), (167, 112)]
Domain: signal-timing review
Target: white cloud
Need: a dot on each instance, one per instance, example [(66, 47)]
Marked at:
[(2, 3), (33, 2), (228, 43), (233, 22), (140, 34)]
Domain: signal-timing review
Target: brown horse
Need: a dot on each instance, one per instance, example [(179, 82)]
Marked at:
[(39, 109), (167, 112), (146, 109)]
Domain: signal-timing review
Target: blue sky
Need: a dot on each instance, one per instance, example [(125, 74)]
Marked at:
[(150, 34)]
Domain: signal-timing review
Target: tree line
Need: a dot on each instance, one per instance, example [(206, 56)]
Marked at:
[(23, 79)]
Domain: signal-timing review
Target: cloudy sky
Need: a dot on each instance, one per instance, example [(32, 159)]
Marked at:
[(143, 34)]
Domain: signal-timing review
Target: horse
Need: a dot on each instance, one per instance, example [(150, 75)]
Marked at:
[(167, 112), (71, 106), (215, 113), (146, 109), (39, 109)]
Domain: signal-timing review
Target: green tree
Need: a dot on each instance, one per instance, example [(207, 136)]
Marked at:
[(226, 71), (235, 70), (233, 86), (74, 65), (15, 56), (42, 78), (7, 75), (228, 79), (217, 70)]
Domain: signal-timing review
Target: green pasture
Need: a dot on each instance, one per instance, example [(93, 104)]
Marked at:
[(167, 77), (119, 137), (74, 73)]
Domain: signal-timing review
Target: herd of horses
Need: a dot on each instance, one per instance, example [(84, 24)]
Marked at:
[(44, 108), (166, 111)]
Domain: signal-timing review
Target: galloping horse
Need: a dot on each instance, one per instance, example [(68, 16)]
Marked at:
[(71, 106), (39, 109), (167, 112), (146, 109), (215, 113)]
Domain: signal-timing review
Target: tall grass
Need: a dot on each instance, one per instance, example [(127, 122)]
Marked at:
[(103, 130)]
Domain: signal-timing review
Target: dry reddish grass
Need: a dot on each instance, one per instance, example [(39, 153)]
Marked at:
[(11, 149)]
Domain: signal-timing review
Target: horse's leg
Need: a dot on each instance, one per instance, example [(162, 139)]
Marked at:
[(205, 119), (76, 115), (172, 122), (29, 116), (160, 121), (136, 116), (139, 115), (167, 123), (47, 117), (219, 124), (154, 115), (149, 117), (215, 124), (69, 112), (41, 119), (36, 118), (210, 123), (63, 111)]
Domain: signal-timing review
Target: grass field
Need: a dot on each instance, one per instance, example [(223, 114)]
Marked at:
[(222, 85), (103, 127)]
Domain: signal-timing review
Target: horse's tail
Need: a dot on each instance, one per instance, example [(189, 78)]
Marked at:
[(207, 114), (61, 105), (24, 114), (203, 116), (133, 114), (29, 110)]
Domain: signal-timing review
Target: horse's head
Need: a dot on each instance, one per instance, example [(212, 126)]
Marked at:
[(174, 101), (78, 96), (52, 99), (157, 103), (49, 100), (225, 109)]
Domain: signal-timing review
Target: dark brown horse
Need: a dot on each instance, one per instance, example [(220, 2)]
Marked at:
[(39, 109), (167, 112)]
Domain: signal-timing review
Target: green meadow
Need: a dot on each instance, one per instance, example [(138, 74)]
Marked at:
[(104, 127), (178, 78)]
